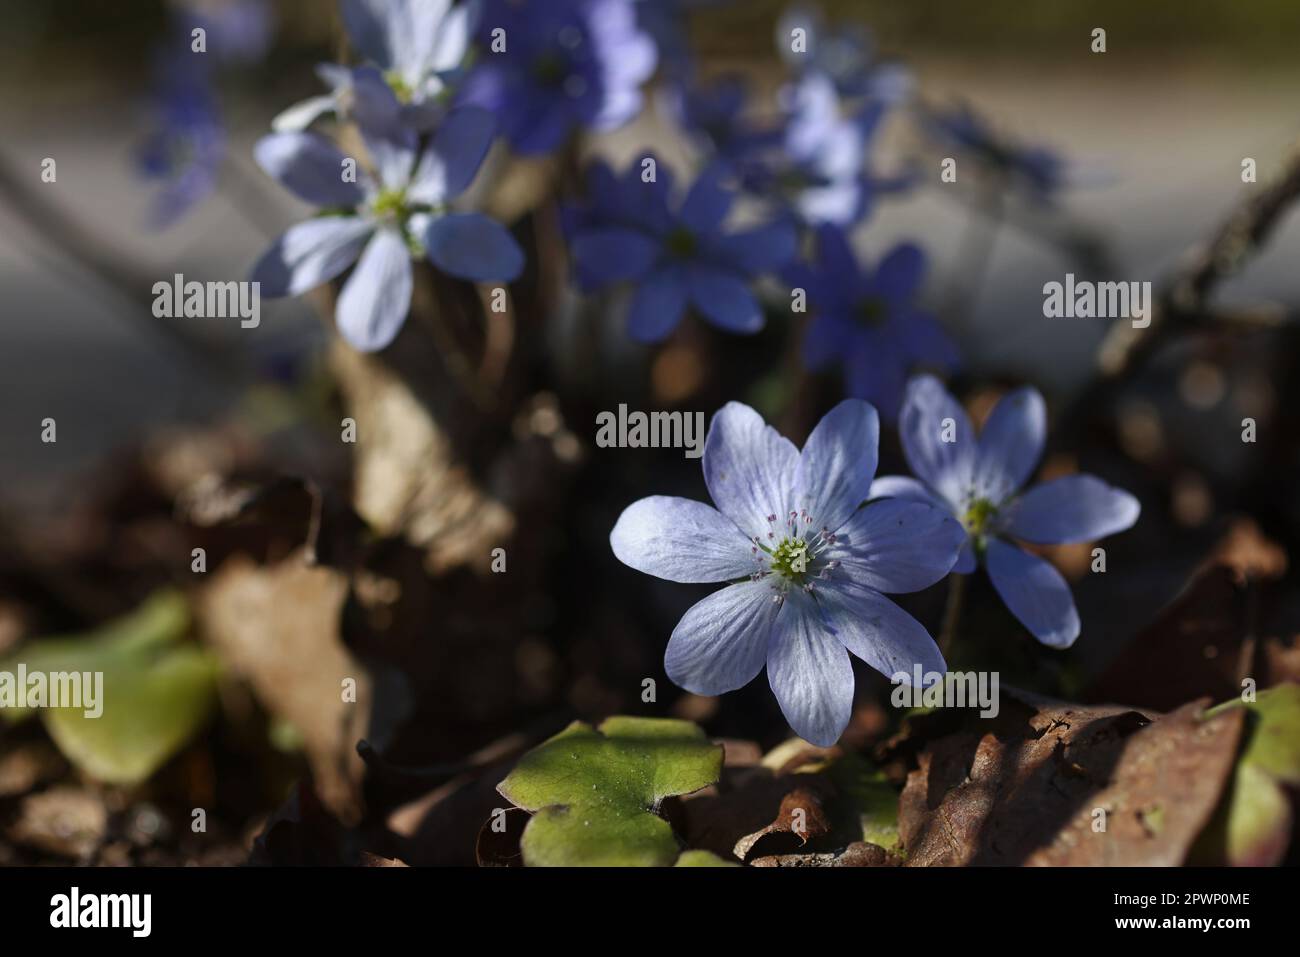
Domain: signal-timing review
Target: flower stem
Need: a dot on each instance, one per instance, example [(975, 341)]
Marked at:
[(952, 612)]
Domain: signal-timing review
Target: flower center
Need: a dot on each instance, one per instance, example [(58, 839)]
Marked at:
[(401, 89), (389, 202), (979, 515), (550, 69), (872, 312), (681, 243), (790, 559)]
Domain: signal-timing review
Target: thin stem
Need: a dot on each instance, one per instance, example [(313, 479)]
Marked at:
[(952, 611)]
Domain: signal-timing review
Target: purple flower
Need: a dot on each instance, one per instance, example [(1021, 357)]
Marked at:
[(185, 148), (807, 565), (868, 321), (677, 258), (816, 170), (846, 53), (713, 113), (238, 31), (1042, 171), (411, 46), (380, 222), (565, 64), (979, 481)]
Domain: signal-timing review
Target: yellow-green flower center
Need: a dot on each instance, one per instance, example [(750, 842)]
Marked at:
[(401, 89), (389, 202), (791, 559), (978, 515)]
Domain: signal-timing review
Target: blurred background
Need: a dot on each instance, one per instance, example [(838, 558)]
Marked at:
[(168, 431)]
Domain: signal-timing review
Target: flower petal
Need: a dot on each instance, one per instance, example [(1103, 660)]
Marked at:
[(809, 671), (1034, 591), (930, 416), (614, 254), (452, 38), (838, 463), (452, 160), (310, 166), (724, 300), (895, 545), (750, 470), (721, 642), (366, 22), (708, 202), (1011, 443), (310, 253), (682, 541), (876, 630), (763, 249), (657, 305), (471, 246), (901, 486), (1074, 508), (899, 275), (296, 118), (377, 296)]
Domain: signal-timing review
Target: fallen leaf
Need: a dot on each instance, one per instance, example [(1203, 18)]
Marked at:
[(1055, 783)]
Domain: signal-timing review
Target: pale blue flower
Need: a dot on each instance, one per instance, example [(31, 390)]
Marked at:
[(979, 481), (806, 564)]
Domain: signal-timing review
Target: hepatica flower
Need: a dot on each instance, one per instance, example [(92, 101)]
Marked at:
[(677, 257), (547, 67), (806, 566), (980, 480), (410, 47), (1042, 171), (846, 53), (381, 222), (867, 320)]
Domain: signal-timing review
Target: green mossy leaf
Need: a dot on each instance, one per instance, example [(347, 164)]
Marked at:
[(155, 694), (594, 792), (1252, 826)]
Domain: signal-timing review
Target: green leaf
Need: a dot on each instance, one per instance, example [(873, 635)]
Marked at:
[(866, 792), (1252, 826), (155, 693), (152, 706), (701, 858), (162, 619), (595, 792)]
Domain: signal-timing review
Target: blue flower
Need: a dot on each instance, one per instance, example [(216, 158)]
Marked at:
[(846, 53), (1042, 171), (817, 170), (184, 149), (411, 47), (238, 31), (979, 482), (383, 221), (867, 321), (807, 565), (713, 113), (677, 258), (566, 64)]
